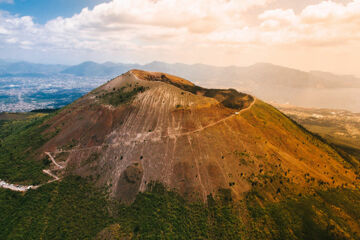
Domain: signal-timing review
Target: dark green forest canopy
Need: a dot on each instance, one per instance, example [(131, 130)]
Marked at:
[(75, 209), (18, 140)]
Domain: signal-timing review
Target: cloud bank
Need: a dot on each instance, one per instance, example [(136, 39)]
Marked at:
[(209, 31)]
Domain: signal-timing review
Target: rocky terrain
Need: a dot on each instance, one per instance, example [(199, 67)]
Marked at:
[(145, 128), (191, 139)]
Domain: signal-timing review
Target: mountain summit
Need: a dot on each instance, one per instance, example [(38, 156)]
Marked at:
[(144, 127)]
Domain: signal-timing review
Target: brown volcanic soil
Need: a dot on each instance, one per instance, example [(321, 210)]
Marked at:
[(192, 139)]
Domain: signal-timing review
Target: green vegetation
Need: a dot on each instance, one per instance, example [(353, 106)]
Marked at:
[(308, 217), (274, 118), (9, 126), (75, 209), (120, 96), (353, 151), (70, 209), (336, 129), (18, 140), (162, 214)]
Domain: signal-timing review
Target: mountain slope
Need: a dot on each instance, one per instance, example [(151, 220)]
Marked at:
[(143, 127), (245, 169)]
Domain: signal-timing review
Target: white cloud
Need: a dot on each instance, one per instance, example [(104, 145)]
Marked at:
[(329, 11), (140, 24), (12, 26), (198, 15), (186, 29), (322, 24), (287, 16)]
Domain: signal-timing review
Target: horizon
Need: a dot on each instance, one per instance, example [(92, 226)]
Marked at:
[(311, 35), (282, 85), (174, 63)]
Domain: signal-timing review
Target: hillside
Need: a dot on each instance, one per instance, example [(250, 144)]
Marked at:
[(164, 148), (340, 127)]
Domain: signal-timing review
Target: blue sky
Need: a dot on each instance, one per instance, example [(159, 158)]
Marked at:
[(45, 10), (303, 34)]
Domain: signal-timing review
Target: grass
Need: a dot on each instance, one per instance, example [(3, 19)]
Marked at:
[(273, 118), (326, 130), (120, 96), (307, 217)]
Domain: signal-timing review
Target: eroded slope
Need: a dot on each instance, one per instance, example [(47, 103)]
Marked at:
[(191, 139)]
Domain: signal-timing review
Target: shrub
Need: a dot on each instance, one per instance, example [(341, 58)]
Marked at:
[(121, 96)]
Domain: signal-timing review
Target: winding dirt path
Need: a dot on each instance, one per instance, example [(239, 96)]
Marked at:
[(48, 172), (17, 188), (24, 188), (53, 160), (219, 121)]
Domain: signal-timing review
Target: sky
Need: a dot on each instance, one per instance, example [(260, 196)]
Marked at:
[(302, 34)]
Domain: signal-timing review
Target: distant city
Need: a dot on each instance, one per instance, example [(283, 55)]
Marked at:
[(22, 94)]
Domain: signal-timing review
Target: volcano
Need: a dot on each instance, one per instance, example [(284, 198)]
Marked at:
[(149, 155), (144, 127)]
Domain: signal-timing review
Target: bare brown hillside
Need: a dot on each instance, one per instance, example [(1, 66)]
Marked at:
[(144, 126)]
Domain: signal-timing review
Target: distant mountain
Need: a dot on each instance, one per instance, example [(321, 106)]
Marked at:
[(257, 74), (96, 69), (267, 81), (260, 73), (335, 80), (26, 67), (274, 83)]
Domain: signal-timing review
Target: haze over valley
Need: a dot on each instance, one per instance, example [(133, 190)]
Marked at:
[(27, 86)]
